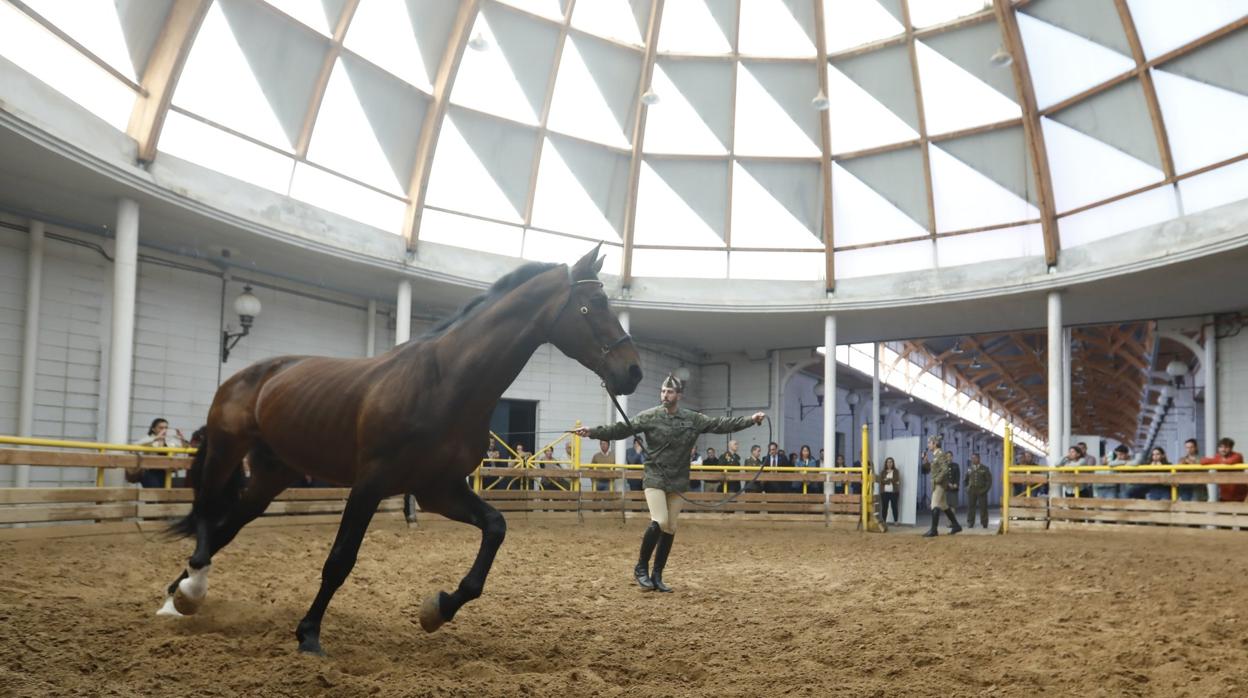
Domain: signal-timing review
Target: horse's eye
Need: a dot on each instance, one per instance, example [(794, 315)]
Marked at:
[(584, 310)]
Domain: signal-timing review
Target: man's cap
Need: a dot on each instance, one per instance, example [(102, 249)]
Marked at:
[(673, 383)]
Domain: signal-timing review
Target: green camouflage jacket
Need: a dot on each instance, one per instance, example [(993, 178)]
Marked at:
[(669, 439), (978, 478), (940, 461)]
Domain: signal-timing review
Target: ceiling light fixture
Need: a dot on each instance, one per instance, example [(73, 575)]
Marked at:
[(478, 42), (820, 102), (1001, 58), (650, 97)]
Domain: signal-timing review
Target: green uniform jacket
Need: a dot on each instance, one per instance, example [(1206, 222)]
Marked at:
[(669, 439), (978, 478), (940, 468)]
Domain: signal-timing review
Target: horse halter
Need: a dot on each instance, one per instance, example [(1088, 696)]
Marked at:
[(605, 348)]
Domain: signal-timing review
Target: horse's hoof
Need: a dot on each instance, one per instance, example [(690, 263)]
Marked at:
[(431, 614), (184, 604), (311, 646), (169, 608)]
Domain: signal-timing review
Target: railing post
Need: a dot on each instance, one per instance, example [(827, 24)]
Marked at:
[(865, 497), (1006, 488)]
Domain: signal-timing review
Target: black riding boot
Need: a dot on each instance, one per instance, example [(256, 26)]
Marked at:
[(660, 561), (935, 522), (641, 572), (954, 526)]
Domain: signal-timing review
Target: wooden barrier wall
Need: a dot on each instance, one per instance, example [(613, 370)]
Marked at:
[(1045, 512)]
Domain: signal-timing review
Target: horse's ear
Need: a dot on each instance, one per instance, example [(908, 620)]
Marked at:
[(587, 267)]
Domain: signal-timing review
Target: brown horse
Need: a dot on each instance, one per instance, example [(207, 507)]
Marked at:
[(409, 421)]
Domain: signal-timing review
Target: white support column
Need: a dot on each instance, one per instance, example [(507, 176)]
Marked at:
[(1210, 364), (875, 403), (370, 342), (30, 343), (403, 313), (621, 446), (777, 398), (121, 345), (1067, 437), (1056, 381), (829, 390)]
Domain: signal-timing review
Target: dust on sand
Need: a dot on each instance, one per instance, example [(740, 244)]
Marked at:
[(759, 610)]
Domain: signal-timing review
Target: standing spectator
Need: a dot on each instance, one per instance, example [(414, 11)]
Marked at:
[(1158, 492), (603, 457), (711, 458), (938, 466), (754, 461), (157, 436), (821, 458), (978, 482), (1121, 457), (1073, 457), (695, 485), (890, 489), (806, 460), (635, 456), (732, 457), (1191, 456), (491, 451), (1228, 456), (840, 463), (775, 459), (954, 484)]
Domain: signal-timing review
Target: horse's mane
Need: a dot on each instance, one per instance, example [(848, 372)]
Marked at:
[(497, 290)]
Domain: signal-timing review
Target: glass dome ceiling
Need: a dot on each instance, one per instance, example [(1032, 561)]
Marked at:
[(684, 134)]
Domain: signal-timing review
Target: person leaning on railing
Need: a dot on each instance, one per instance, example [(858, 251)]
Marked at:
[(1121, 457), (754, 461), (1228, 456), (1191, 456), (158, 436)]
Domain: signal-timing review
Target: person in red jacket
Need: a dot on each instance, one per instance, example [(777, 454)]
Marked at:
[(1228, 456)]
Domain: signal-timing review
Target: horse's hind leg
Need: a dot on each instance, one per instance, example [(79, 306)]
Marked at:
[(269, 477), (361, 505), (462, 504)]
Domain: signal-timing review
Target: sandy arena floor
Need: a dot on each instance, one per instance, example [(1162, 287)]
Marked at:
[(759, 610)]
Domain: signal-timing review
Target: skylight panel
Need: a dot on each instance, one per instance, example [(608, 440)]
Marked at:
[(1064, 64), (775, 205), (680, 264), (343, 139), (209, 147), (1205, 124), (1164, 25), (777, 28), (1148, 208), (852, 23), (381, 32), (93, 23), (218, 84), (954, 99), (1225, 185), (470, 233), (310, 13), (54, 62), (794, 266), (333, 193), (859, 121), (863, 216), (681, 204), (612, 19), (965, 198), (774, 116), (697, 27), (686, 123), (1086, 170), (925, 13), (990, 245), (896, 258)]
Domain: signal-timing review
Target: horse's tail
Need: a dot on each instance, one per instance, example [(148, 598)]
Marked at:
[(207, 505)]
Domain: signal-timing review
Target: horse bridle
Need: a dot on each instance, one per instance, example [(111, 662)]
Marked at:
[(604, 348)]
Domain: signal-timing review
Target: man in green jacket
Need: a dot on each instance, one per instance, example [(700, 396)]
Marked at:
[(670, 433), (938, 467), (978, 481)]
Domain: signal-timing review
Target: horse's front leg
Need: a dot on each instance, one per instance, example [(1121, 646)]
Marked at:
[(462, 504), (361, 505)]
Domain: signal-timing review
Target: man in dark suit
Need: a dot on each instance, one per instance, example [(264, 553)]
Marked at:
[(775, 458)]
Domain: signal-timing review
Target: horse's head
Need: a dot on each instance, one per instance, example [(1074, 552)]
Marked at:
[(585, 329)]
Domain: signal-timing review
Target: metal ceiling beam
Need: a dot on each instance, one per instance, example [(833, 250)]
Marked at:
[(1005, 375), (732, 126), (639, 130), (322, 78), (160, 78), (1031, 127), (1150, 90), (918, 103), (432, 126), (825, 162)]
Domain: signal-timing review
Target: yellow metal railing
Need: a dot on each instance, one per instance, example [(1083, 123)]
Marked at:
[(99, 447), (1173, 469)]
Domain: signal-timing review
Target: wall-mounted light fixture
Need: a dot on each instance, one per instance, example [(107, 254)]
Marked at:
[(803, 409), (248, 307)]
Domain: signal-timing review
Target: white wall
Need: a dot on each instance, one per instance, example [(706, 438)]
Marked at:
[(1232, 389)]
